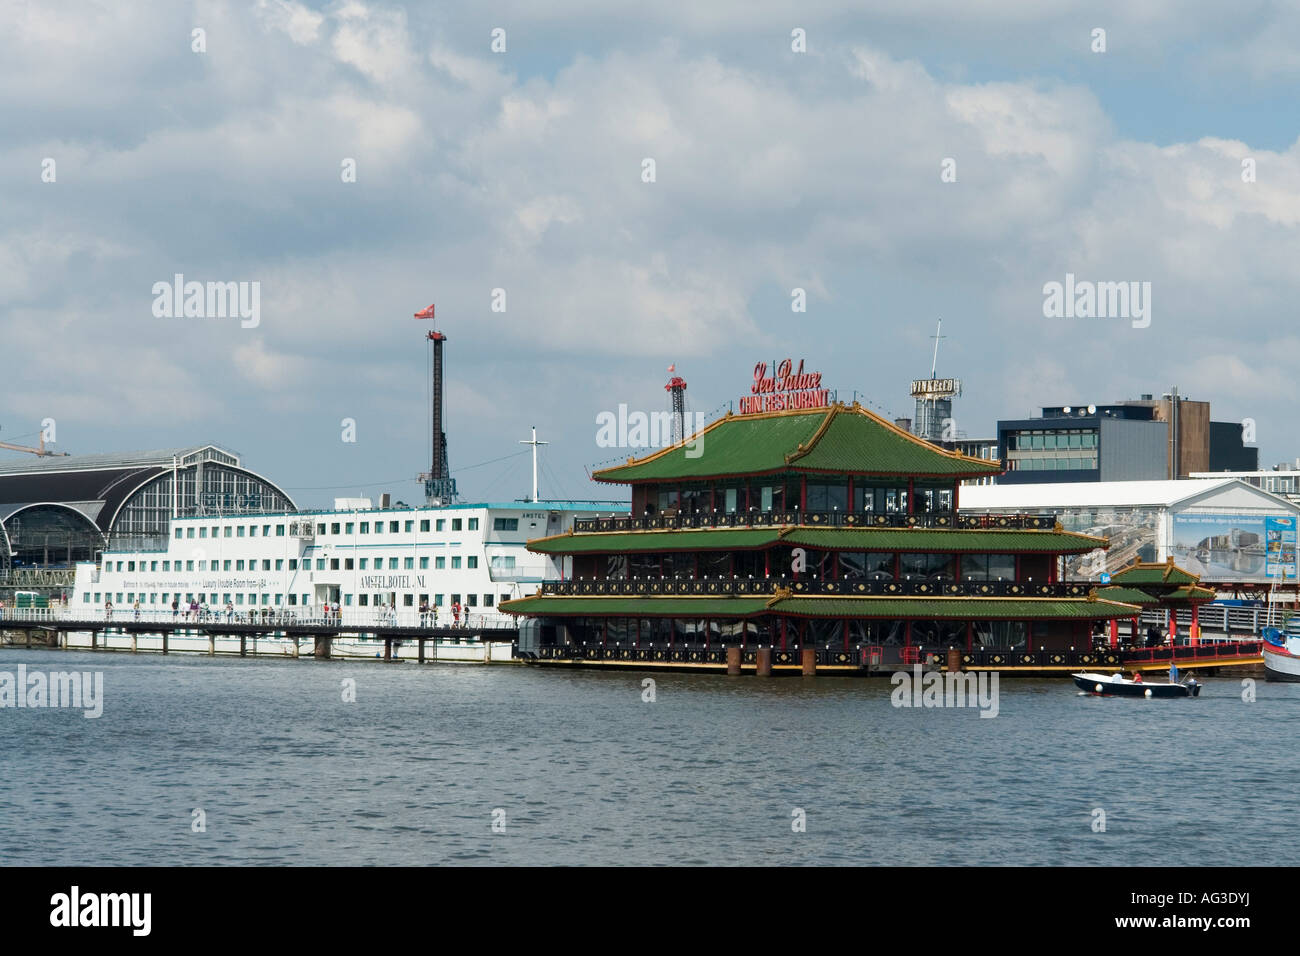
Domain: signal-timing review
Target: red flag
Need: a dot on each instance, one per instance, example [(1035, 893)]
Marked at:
[(673, 367), (425, 313)]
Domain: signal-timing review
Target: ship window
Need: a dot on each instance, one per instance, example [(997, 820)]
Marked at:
[(487, 600), (392, 564), (227, 531), (293, 564), (730, 499), (365, 527), (442, 523), (392, 526), (347, 564), (279, 564), (365, 562), (455, 524), (225, 565), (409, 526), (320, 564), (334, 564), (471, 600), (505, 524), (178, 532), (239, 531), (408, 600), (455, 562), (424, 525), (363, 600), (408, 564), (320, 528), (473, 524), (239, 565), (439, 562), (471, 561), (424, 564), (349, 527)]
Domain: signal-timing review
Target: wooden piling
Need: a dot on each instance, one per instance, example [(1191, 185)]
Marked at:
[(243, 645), (134, 644), (164, 637), (733, 660), (388, 649), (954, 660), (808, 657), (763, 663), (322, 651), (212, 644), (420, 646)]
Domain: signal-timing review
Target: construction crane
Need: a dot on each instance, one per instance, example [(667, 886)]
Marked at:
[(40, 452)]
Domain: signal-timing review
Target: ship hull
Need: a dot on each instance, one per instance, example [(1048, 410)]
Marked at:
[(1280, 665)]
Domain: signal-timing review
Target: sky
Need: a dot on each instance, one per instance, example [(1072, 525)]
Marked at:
[(916, 160)]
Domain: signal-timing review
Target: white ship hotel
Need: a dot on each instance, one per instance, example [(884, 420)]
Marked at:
[(126, 537)]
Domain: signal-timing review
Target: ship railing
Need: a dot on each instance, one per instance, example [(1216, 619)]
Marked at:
[(834, 519), (872, 657), (352, 619), (729, 586)]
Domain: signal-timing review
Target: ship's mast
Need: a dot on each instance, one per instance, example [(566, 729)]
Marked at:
[(534, 443)]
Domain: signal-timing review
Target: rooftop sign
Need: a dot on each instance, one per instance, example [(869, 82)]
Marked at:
[(935, 387), (786, 388)]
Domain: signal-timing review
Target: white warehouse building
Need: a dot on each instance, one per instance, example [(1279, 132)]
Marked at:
[(1223, 529)]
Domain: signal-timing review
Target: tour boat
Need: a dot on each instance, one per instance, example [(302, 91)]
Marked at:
[(1114, 685)]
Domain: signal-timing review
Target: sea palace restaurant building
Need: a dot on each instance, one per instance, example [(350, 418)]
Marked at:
[(825, 528)]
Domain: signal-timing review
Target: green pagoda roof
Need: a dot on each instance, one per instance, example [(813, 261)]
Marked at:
[(1126, 595), (890, 608), (837, 440), (977, 541), (1139, 574)]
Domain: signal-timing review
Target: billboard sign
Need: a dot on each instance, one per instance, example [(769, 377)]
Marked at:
[(1225, 547)]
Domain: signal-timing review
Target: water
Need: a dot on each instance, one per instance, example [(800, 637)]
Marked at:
[(586, 772)]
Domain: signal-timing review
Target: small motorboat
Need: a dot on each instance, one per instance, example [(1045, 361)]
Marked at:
[(1116, 685)]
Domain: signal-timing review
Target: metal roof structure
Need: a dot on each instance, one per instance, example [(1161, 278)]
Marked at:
[(161, 457)]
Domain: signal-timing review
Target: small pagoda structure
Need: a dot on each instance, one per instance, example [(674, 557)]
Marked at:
[(1165, 587)]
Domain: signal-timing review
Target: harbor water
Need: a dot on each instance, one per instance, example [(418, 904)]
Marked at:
[(206, 761)]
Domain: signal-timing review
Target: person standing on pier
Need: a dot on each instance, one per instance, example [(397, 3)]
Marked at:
[(108, 610), (176, 606), (136, 608), (455, 614)]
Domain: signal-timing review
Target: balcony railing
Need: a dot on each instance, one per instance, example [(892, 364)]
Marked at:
[(727, 587), (814, 519), (878, 659)]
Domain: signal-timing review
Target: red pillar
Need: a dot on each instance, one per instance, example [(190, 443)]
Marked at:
[(845, 629), (1196, 626), (955, 486), (1029, 636), (849, 508), (907, 640), (970, 635), (911, 496), (782, 633), (803, 493), (1114, 633), (1135, 630), (1173, 625)]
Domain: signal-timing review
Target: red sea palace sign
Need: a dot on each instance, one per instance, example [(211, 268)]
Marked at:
[(789, 388)]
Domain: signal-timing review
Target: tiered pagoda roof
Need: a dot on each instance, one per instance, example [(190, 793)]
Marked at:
[(842, 439)]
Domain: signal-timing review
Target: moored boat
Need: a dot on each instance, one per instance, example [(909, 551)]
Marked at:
[(1114, 685), (1281, 649)]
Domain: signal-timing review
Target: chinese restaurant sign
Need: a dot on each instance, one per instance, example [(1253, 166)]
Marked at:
[(786, 389)]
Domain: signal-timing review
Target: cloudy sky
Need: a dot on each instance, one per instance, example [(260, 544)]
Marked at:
[(522, 170)]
